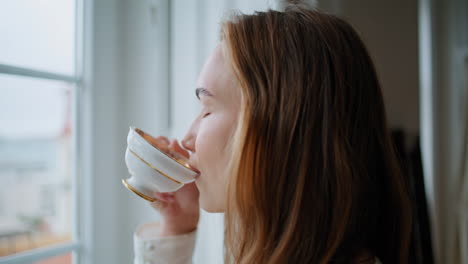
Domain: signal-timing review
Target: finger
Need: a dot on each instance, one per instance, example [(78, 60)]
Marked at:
[(158, 205), (165, 197), (177, 148), (163, 139)]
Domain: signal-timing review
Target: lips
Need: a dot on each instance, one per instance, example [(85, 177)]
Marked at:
[(194, 168)]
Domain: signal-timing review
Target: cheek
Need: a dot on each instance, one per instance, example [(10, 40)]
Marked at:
[(213, 135)]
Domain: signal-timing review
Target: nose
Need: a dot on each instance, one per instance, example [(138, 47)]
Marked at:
[(188, 142)]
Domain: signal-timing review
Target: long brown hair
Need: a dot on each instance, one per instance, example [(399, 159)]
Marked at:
[(315, 178)]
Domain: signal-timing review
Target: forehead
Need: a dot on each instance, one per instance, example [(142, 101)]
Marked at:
[(216, 75)]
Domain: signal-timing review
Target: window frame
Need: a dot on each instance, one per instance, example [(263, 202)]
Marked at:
[(82, 9)]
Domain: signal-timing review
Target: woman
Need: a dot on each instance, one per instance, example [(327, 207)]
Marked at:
[(292, 145)]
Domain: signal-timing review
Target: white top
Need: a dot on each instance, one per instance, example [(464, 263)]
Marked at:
[(150, 248)]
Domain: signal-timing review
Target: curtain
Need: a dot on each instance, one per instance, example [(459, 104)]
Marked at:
[(461, 232), (411, 162)]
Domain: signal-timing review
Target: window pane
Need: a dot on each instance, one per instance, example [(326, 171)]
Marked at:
[(36, 194), (38, 34)]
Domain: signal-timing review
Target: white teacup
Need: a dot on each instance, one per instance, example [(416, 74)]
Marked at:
[(153, 170)]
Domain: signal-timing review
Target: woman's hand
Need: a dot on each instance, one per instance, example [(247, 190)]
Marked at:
[(180, 210)]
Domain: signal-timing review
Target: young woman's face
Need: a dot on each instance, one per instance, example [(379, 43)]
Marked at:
[(208, 136)]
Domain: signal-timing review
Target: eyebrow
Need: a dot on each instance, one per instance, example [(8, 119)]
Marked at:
[(202, 91)]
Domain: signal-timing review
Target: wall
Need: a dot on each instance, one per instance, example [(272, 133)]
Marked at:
[(98, 148), (126, 83), (143, 78), (390, 31)]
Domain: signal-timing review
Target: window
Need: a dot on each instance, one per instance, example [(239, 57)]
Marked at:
[(40, 69)]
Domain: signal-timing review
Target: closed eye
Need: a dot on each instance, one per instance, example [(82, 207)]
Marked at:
[(205, 115), (202, 91)]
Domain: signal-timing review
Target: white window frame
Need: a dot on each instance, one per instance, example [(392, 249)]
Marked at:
[(82, 7)]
